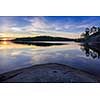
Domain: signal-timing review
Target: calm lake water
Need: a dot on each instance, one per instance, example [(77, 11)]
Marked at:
[(15, 56)]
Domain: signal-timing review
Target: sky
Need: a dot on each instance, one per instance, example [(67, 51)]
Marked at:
[(65, 26)]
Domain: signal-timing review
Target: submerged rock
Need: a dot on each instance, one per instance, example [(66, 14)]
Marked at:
[(48, 73)]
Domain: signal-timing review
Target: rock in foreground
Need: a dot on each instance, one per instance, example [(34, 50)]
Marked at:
[(48, 73)]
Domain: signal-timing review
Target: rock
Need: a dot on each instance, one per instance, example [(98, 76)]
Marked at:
[(48, 73)]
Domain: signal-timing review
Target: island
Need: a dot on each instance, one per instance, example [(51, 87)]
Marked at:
[(42, 40)]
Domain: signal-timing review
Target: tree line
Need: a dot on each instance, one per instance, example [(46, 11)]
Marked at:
[(90, 32)]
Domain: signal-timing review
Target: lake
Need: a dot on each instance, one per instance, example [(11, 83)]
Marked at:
[(15, 56)]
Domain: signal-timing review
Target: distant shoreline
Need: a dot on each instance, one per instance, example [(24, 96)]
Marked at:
[(41, 40)]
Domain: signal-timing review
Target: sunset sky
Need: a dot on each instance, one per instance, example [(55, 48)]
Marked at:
[(65, 26)]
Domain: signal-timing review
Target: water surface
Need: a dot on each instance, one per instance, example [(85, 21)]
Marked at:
[(15, 56)]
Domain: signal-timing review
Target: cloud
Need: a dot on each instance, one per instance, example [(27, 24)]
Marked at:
[(37, 24), (16, 29), (41, 25), (6, 24)]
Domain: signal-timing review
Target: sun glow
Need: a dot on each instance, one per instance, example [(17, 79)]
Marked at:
[(4, 42)]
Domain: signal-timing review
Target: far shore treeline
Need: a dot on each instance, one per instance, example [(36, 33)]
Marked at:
[(43, 38)]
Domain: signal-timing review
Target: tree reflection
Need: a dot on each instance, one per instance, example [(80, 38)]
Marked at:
[(91, 51)]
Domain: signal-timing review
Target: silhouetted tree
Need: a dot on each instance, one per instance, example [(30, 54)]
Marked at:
[(93, 29), (87, 31)]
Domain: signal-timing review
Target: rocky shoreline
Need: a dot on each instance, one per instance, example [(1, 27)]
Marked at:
[(48, 73)]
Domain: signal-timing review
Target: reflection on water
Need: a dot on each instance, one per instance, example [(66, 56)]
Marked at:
[(40, 43), (90, 51), (15, 56)]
